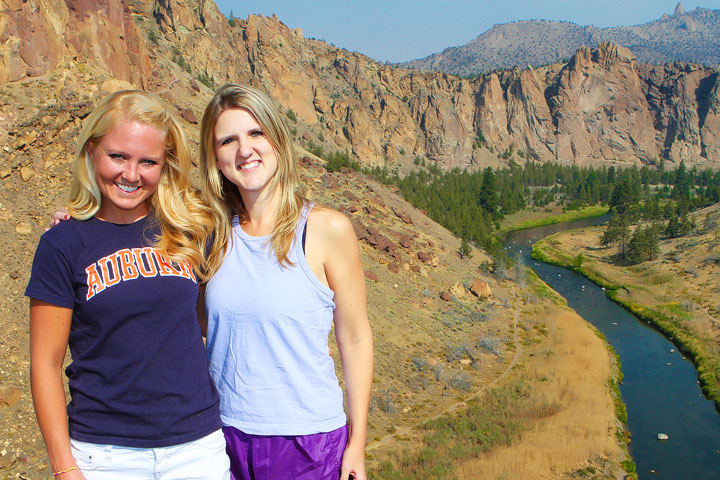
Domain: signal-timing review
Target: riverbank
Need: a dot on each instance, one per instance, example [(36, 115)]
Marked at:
[(575, 398), (539, 217), (551, 413), (679, 293)]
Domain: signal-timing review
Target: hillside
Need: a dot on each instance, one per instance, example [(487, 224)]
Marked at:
[(441, 350), (600, 107), (432, 355), (682, 37)]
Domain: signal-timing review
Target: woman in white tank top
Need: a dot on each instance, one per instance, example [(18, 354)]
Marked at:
[(285, 271)]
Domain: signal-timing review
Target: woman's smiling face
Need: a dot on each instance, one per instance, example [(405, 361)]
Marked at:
[(244, 154), (128, 163)]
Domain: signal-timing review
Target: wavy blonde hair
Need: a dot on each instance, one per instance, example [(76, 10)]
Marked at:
[(224, 197), (184, 219)]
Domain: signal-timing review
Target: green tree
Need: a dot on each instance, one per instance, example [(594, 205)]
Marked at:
[(617, 232), (488, 192), (578, 260), (465, 249), (644, 245)]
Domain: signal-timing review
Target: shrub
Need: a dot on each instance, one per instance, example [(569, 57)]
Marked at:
[(460, 381), (207, 80), (628, 466), (152, 36)]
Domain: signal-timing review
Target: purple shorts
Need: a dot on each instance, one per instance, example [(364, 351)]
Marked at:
[(276, 457)]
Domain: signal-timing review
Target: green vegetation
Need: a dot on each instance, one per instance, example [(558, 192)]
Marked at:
[(632, 204), (339, 160), (207, 80), (152, 36), (465, 250), (178, 58), (629, 467), (497, 419), (470, 203), (568, 216)]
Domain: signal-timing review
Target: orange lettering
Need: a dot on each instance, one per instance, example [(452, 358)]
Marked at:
[(187, 271), (127, 264), (166, 267), (95, 284), (151, 269), (104, 264)]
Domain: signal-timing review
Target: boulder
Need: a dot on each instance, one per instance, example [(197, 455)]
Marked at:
[(350, 196), (403, 216), (481, 289), (9, 396), (23, 229), (424, 257), (371, 276), (458, 290), (406, 241), (26, 173), (189, 116)]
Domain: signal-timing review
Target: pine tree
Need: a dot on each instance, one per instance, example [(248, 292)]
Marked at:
[(465, 249), (488, 192)]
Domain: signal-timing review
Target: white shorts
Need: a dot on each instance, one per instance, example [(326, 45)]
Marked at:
[(202, 459)]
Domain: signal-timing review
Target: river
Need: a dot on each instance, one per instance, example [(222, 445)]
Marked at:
[(660, 387)]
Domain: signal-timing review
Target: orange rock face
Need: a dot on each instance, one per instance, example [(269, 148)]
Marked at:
[(599, 107)]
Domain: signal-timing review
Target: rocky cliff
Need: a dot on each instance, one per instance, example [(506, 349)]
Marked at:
[(600, 106)]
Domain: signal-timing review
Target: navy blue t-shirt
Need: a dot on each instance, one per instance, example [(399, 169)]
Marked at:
[(139, 375)]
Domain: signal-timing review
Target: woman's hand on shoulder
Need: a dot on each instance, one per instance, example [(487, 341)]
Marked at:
[(59, 216)]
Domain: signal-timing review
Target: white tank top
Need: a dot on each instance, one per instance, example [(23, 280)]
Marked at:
[(267, 340)]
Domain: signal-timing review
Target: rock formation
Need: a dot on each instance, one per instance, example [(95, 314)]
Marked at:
[(599, 107)]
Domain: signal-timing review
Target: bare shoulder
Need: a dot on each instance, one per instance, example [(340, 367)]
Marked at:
[(329, 224)]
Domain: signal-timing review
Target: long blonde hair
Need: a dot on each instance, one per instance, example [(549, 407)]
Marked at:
[(184, 219), (224, 197)]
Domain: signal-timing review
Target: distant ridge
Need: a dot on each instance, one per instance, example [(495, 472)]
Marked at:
[(684, 36)]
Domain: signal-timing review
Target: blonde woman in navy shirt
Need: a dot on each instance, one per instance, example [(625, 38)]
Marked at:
[(285, 271), (119, 284)]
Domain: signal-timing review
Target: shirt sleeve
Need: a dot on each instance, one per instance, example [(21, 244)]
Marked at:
[(51, 279)]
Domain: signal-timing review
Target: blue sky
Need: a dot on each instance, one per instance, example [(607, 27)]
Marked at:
[(401, 30)]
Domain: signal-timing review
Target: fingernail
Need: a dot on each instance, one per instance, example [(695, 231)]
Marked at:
[(67, 216)]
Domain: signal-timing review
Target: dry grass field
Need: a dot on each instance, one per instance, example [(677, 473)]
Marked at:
[(575, 431)]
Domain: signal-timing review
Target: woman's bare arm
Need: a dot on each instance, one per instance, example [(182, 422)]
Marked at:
[(49, 333), (344, 272)]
